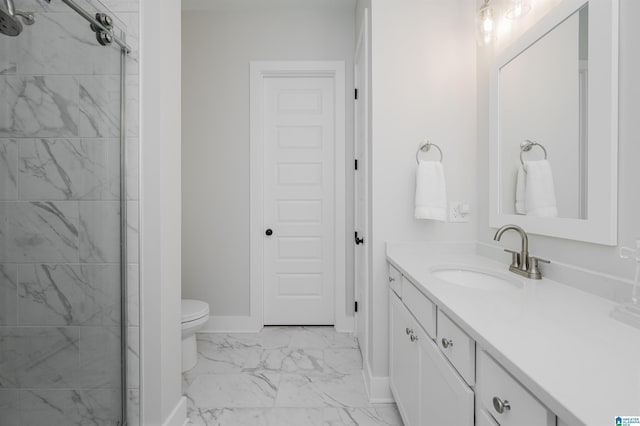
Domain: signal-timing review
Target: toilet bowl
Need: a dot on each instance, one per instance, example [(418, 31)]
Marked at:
[(195, 315)]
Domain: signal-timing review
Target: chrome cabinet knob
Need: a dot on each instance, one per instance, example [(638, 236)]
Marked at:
[(413, 337), (501, 406), (446, 343), (408, 331), (391, 279)]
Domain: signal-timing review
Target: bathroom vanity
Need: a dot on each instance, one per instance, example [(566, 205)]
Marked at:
[(473, 344)]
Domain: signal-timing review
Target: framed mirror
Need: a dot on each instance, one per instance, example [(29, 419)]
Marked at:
[(553, 133)]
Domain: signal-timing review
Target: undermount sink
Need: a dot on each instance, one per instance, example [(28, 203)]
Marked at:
[(478, 278)]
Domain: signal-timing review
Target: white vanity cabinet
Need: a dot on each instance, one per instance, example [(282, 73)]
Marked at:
[(427, 388), (404, 360), (438, 376)]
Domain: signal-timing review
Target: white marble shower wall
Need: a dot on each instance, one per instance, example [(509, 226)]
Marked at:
[(59, 221)]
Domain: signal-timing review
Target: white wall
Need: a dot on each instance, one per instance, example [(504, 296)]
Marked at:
[(590, 256), (423, 86), (217, 48), (160, 205)]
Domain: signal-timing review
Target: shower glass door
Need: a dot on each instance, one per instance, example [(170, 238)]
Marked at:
[(61, 334)]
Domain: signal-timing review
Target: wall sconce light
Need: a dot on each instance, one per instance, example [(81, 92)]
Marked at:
[(486, 24), (518, 8)]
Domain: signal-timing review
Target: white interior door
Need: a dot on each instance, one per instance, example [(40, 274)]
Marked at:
[(299, 200)]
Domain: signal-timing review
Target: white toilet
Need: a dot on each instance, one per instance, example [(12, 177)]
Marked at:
[(195, 314)]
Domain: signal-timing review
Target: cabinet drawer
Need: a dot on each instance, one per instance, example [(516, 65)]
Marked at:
[(395, 280), (458, 347), (497, 390), (484, 419), (420, 306)]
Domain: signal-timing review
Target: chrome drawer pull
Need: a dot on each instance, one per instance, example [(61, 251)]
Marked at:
[(446, 342), (501, 406), (391, 279)]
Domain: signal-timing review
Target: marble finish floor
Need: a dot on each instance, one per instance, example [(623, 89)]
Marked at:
[(282, 376)]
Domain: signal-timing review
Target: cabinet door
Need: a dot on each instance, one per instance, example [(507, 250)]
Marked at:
[(403, 361), (445, 398)]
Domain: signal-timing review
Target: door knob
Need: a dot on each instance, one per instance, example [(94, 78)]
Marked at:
[(269, 232)]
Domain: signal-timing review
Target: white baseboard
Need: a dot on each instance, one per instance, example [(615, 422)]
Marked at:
[(232, 325), (345, 324), (178, 416), (377, 387)]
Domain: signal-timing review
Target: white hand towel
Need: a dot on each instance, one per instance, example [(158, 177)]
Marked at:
[(521, 186), (540, 199), (431, 192)]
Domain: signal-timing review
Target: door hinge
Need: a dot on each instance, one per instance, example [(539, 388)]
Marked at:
[(356, 163), (356, 307), (359, 240), (356, 93)]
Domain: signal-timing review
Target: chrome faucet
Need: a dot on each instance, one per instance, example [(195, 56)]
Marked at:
[(521, 263)]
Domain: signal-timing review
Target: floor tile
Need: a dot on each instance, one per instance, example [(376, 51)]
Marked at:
[(297, 390), (257, 417), (233, 390), (282, 376)]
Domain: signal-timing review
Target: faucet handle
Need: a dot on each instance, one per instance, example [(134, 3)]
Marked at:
[(534, 272), (515, 258)]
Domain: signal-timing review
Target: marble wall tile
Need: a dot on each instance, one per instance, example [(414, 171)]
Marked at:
[(8, 47), (8, 169), (10, 354), (75, 49), (62, 169), (133, 295), (132, 105), (38, 106), (64, 294), (133, 231), (39, 232), (133, 168), (99, 240), (8, 294), (48, 356), (99, 355), (99, 106), (132, 22), (133, 357), (43, 6), (122, 5), (133, 407), (9, 408), (97, 407)]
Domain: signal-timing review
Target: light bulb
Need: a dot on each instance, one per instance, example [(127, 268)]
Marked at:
[(485, 24), (518, 8)]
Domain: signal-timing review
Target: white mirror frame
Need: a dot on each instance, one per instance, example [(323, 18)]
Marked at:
[(601, 224)]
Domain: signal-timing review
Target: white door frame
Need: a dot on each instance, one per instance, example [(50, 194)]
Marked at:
[(259, 70), (361, 294)]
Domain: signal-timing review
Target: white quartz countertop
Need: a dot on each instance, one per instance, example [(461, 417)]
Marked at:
[(559, 342)]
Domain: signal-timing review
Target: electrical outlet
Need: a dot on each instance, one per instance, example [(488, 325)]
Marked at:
[(459, 211)]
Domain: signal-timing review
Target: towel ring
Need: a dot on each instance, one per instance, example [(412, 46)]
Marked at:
[(527, 145), (425, 147)]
